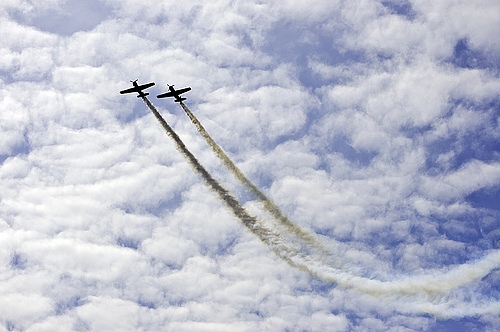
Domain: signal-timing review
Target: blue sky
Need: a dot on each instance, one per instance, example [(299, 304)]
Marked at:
[(374, 126)]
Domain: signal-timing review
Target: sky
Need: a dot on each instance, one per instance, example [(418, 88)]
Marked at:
[(362, 139)]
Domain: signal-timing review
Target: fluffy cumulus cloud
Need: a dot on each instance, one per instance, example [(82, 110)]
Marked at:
[(367, 132)]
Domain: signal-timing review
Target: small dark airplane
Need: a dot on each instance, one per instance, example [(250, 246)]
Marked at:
[(174, 93), (138, 88)]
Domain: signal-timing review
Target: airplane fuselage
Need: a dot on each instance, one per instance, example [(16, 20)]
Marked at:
[(177, 96), (174, 93), (138, 88)]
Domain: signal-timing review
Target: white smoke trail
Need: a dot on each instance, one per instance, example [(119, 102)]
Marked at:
[(268, 204), (435, 293), (433, 286), (272, 239)]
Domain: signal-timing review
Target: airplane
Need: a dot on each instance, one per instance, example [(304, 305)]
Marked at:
[(174, 93), (138, 88)]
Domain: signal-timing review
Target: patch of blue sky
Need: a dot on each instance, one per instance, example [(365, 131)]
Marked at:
[(464, 229), (401, 7), (319, 286), (18, 261), (478, 142), (359, 158), (451, 153), (465, 56), (147, 303), (458, 325), (485, 198), (491, 284), (62, 306), (72, 16), (19, 148), (128, 242), (292, 43)]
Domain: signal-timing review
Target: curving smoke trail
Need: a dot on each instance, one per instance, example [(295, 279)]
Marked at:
[(268, 204), (249, 221), (430, 293), (272, 239), (433, 286)]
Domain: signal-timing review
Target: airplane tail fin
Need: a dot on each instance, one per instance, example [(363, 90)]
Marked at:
[(143, 95), (178, 100)]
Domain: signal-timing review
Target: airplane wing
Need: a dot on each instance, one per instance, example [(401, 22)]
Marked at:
[(147, 85), (138, 88), (173, 93), (134, 89), (166, 94), (181, 91)]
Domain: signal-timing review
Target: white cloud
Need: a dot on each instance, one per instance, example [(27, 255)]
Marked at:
[(19, 37), (105, 225), (13, 120), (109, 314), (456, 185), (26, 308), (461, 19)]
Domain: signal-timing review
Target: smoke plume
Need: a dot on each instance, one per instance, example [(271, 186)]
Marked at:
[(430, 293), (267, 236), (267, 203)]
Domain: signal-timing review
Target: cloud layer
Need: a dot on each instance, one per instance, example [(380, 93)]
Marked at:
[(374, 126)]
